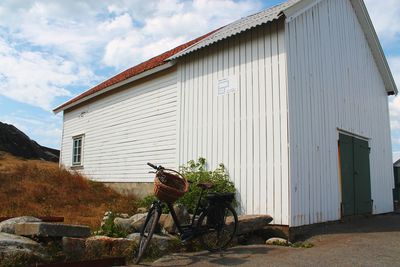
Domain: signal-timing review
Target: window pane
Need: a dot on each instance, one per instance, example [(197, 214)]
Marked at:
[(77, 150)]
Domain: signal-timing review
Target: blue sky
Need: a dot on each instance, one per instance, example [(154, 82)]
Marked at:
[(53, 50)]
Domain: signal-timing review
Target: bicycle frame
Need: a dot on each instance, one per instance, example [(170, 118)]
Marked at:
[(189, 229)]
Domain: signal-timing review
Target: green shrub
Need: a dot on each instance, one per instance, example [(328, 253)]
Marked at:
[(196, 172), (110, 229)]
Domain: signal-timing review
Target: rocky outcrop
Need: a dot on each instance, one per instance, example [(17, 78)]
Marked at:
[(17, 143)]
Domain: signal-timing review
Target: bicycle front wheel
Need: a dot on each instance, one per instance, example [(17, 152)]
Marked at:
[(218, 233), (147, 232)]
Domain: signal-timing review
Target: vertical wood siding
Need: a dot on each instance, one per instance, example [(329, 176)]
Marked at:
[(245, 130), (125, 130), (333, 82)]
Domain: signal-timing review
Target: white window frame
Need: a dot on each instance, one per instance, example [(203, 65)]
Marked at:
[(77, 150)]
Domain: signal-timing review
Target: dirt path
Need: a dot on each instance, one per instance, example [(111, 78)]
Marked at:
[(363, 242)]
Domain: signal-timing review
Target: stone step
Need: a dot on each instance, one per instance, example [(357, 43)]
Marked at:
[(43, 229)]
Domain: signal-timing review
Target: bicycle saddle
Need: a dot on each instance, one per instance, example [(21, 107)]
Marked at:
[(205, 185)]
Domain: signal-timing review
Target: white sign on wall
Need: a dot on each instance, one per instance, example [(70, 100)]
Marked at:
[(226, 85)]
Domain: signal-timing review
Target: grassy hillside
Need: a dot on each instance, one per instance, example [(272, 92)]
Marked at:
[(40, 188)]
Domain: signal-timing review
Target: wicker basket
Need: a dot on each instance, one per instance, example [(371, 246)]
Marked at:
[(174, 187)]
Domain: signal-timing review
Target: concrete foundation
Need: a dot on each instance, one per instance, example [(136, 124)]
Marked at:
[(140, 190)]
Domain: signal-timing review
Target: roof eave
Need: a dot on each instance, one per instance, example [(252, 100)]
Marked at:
[(375, 45), (144, 74), (370, 33)]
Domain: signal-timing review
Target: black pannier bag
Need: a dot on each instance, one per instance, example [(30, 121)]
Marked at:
[(217, 209)]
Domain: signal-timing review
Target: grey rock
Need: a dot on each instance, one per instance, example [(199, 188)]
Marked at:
[(160, 243), (251, 223), (182, 215), (43, 229), (10, 240), (132, 224), (8, 226), (277, 241), (22, 248), (73, 248), (142, 210), (97, 247)]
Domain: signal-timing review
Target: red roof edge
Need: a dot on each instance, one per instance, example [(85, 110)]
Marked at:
[(133, 71)]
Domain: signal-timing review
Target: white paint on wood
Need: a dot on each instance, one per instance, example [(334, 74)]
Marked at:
[(246, 130), (333, 83), (125, 130)]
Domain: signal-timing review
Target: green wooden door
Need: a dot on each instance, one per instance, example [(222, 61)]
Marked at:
[(362, 179), (355, 176), (347, 169)]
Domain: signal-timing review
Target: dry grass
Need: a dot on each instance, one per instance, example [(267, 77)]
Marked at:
[(38, 188)]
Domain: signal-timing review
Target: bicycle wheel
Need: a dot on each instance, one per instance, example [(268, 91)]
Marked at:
[(147, 232), (217, 234)]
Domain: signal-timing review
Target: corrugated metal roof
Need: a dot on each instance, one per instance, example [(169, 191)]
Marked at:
[(239, 26)]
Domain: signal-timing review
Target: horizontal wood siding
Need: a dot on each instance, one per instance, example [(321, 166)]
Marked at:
[(125, 130), (245, 130), (333, 83)]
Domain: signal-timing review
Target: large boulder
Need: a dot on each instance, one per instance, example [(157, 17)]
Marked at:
[(183, 217), (8, 226), (19, 251), (252, 223), (132, 224)]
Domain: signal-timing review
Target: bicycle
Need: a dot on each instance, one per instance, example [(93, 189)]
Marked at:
[(214, 221)]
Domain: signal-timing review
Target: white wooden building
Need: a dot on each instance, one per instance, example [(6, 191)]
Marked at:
[(289, 99)]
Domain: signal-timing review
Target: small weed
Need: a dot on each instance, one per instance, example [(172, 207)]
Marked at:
[(294, 245), (302, 245)]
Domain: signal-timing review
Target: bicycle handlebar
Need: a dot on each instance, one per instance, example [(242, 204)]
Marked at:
[(155, 167)]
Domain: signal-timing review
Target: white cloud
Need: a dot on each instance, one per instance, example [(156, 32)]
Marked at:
[(47, 46), (37, 78), (172, 23), (394, 63), (385, 16)]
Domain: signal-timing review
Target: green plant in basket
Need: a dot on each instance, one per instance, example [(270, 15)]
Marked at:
[(196, 172)]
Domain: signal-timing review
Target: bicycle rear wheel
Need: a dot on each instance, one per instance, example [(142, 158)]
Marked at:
[(147, 232), (218, 234)]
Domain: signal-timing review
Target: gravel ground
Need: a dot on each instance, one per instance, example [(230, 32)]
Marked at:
[(373, 241)]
